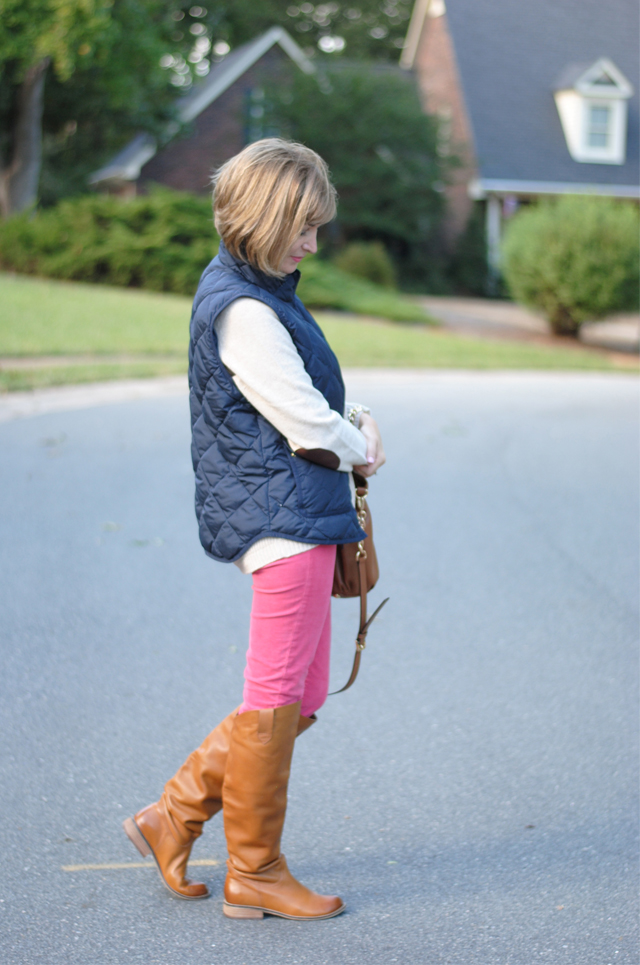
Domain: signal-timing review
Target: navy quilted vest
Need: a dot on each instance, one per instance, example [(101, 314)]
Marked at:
[(248, 483)]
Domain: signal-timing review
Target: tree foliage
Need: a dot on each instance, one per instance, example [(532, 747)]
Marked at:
[(575, 259), (364, 30), (104, 82), (63, 31), (382, 151), (110, 97), (468, 269), (116, 65)]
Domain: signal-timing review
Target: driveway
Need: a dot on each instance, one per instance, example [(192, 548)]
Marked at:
[(491, 318), (474, 797)]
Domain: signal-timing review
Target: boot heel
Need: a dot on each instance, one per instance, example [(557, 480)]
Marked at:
[(241, 911), (131, 831)]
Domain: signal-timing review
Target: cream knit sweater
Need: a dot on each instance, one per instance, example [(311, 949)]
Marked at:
[(265, 365)]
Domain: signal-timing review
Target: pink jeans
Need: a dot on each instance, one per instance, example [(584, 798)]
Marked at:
[(290, 633)]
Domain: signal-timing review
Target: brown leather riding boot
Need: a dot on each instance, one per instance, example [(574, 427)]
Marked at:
[(255, 802), (194, 794), (168, 828)]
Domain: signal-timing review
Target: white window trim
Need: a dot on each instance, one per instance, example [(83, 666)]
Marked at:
[(574, 105), (585, 84)]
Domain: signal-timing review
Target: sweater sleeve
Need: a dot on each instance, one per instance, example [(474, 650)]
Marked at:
[(265, 365)]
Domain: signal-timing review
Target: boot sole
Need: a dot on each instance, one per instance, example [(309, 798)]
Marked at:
[(137, 838), (251, 911)]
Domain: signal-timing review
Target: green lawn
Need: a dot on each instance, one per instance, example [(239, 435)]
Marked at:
[(379, 344), (118, 333), (43, 317)]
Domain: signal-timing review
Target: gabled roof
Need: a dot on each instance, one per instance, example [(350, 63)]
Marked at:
[(510, 56), (603, 77), (126, 165)]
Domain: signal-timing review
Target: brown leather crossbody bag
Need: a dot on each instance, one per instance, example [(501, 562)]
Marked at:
[(357, 572)]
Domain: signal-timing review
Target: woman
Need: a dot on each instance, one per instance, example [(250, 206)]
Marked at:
[(273, 446)]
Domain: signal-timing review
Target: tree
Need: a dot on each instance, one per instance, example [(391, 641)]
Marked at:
[(202, 36), (79, 77), (97, 60), (364, 29), (33, 34), (381, 148), (110, 97), (369, 29)]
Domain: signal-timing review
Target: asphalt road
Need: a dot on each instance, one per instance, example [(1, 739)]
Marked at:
[(473, 798)]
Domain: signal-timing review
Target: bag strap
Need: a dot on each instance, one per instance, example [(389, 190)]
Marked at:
[(361, 558)]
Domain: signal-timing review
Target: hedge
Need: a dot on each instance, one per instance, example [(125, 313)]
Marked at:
[(161, 241)]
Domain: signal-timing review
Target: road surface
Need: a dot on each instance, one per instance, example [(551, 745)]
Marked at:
[(473, 798)]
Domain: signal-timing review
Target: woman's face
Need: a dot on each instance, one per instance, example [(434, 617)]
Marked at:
[(305, 244)]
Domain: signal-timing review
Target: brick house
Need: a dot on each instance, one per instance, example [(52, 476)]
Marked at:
[(533, 98), (215, 121)]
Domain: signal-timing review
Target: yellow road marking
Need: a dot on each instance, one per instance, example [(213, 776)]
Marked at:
[(117, 866)]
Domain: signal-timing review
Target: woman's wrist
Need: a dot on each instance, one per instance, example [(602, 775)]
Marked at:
[(355, 413), (366, 420), (375, 452)]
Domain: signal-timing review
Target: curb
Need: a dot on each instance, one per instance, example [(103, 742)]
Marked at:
[(24, 405)]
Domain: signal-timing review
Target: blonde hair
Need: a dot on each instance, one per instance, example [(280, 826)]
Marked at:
[(265, 195)]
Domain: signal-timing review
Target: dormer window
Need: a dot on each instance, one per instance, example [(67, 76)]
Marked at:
[(592, 104)]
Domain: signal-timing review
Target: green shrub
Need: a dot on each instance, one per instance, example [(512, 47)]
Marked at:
[(575, 259), (369, 260), (161, 241), (468, 268)]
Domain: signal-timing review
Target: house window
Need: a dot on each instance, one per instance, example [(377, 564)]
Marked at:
[(254, 114), (598, 125), (257, 116)]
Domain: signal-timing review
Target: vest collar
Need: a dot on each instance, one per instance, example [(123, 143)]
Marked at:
[(283, 288)]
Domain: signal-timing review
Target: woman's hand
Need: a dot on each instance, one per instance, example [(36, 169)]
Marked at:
[(375, 453)]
